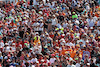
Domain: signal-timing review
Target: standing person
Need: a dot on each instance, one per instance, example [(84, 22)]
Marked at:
[(21, 31), (31, 3), (54, 21), (41, 26), (52, 59)]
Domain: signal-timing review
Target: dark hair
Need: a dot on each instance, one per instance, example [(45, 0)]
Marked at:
[(74, 62), (0, 61)]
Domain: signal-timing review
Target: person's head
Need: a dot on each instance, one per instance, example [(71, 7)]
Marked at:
[(71, 62), (91, 61), (86, 56), (36, 33), (37, 64), (97, 49), (45, 65), (52, 55), (77, 46), (68, 55)]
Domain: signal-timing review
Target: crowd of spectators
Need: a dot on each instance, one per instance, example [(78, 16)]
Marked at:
[(50, 33)]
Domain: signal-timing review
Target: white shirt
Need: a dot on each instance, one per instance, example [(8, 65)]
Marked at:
[(77, 22), (36, 28), (65, 25), (87, 8), (78, 34), (52, 60), (59, 25), (98, 32), (98, 23), (35, 2), (33, 59), (29, 61), (53, 3), (36, 24), (73, 65), (7, 49), (41, 27), (69, 58), (44, 1), (54, 21), (91, 23), (39, 49), (13, 48), (78, 65), (8, 22), (95, 18), (10, 42), (68, 65), (26, 21), (70, 44), (48, 4), (40, 5), (1, 44), (75, 3)]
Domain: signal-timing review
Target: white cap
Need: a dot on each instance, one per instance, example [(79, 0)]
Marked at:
[(31, 49), (54, 16), (85, 28), (63, 41), (5, 57), (47, 34), (6, 43), (13, 44), (11, 66), (42, 60), (85, 34), (91, 27), (36, 33), (88, 63), (33, 66), (63, 34), (87, 41)]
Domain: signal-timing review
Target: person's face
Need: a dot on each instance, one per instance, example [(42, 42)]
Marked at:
[(86, 57), (36, 34)]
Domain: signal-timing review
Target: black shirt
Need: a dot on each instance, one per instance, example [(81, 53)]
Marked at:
[(61, 18), (92, 65), (31, 2), (21, 33)]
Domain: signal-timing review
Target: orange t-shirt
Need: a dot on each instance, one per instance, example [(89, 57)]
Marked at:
[(96, 15), (63, 14), (72, 53), (63, 52)]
